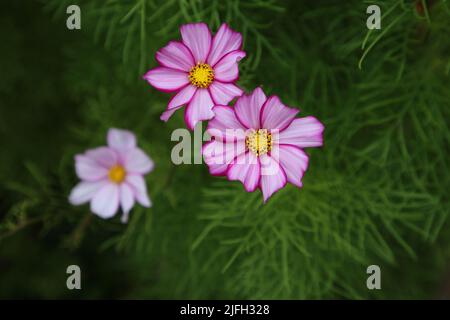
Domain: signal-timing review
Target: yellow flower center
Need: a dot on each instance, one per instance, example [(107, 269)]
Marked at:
[(259, 141), (117, 174), (201, 75)]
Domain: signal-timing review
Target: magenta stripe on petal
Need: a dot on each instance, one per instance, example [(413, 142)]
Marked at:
[(275, 115), (227, 70), (273, 177), (248, 108), (303, 132), (218, 155), (294, 162), (225, 125), (168, 113), (167, 79), (225, 41), (216, 169), (176, 56), (246, 169), (183, 97), (197, 37), (199, 109), (223, 93)]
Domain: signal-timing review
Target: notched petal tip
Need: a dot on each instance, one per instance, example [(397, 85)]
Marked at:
[(197, 37), (273, 177)]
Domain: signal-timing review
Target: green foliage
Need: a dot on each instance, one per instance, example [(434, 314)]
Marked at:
[(376, 193)]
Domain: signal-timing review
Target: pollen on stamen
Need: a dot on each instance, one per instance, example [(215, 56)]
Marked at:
[(117, 174), (201, 75), (259, 141)]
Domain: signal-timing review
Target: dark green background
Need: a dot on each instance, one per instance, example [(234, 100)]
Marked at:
[(376, 193)]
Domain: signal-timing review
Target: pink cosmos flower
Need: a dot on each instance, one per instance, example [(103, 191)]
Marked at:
[(260, 143), (200, 70), (112, 176)]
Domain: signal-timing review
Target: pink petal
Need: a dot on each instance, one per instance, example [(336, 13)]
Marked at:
[(106, 201), (200, 108), (84, 191), (168, 113), (246, 169), (273, 177), (216, 167), (121, 140), (218, 155), (181, 98), (104, 156), (176, 56), (126, 200), (136, 161), (302, 133), (197, 37), (225, 125), (275, 115), (226, 70), (88, 169), (137, 184), (294, 162), (223, 93), (225, 41), (248, 108), (166, 79)]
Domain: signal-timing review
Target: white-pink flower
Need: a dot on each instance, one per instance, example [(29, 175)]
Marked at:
[(200, 70), (112, 176), (260, 142)]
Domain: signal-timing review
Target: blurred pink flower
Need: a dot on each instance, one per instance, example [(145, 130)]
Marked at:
[(260, 143), (112, 176), (200, 69)]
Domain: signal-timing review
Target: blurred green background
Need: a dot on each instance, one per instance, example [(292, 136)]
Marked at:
[(376, 193)]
